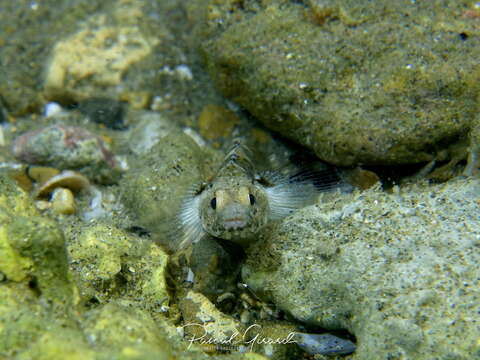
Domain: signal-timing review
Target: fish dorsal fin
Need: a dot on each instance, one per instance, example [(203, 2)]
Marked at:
[(237, 161)]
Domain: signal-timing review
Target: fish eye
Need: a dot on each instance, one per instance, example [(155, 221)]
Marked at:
[(252, 199), (213, 203)]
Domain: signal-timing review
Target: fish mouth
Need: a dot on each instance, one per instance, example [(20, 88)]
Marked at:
[(234, 223)]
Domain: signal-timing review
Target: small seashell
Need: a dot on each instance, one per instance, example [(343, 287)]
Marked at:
[(41, 174), (66, 179), (63, 201)]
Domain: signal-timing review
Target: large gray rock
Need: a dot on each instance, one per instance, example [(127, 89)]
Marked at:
[(399, 271), (357, 81)]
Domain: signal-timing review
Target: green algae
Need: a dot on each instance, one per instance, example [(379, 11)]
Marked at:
[(109, 263)]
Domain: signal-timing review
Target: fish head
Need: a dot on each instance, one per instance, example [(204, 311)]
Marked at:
[(234, 212)]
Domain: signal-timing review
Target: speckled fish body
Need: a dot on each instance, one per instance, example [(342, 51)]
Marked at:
[(238, 202)]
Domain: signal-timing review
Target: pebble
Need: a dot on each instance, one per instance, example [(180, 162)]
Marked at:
[(324, 344), (52, 109), (63, 201), (104, 111), (68, 147)]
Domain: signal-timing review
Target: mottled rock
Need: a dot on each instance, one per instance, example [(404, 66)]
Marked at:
[(28, 30), (131, 331), (399, 271), (202, 318), (216, 122), (36, 292), (358, 82), (30, 329), (100, 50), (69, 147)]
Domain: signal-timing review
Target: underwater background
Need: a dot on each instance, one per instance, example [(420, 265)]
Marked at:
[(111, 110)]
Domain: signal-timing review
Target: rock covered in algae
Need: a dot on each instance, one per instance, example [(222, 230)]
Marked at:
[(37, 292), (41, 316), (359, 82), (399, 271), (109, 262), (32, 247)]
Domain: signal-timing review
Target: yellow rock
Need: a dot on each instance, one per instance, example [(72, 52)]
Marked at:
[(17, 267), (216, 121), (99, 52), (137, 99)]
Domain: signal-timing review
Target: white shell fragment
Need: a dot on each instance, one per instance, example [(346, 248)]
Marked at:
[(52, 109)]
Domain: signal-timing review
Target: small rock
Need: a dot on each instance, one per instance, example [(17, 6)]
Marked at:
[(52, 109), (41, 174), (207, 319), (68, 147), (103, 111), (216, 122), (43, 205), (324, 344)]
